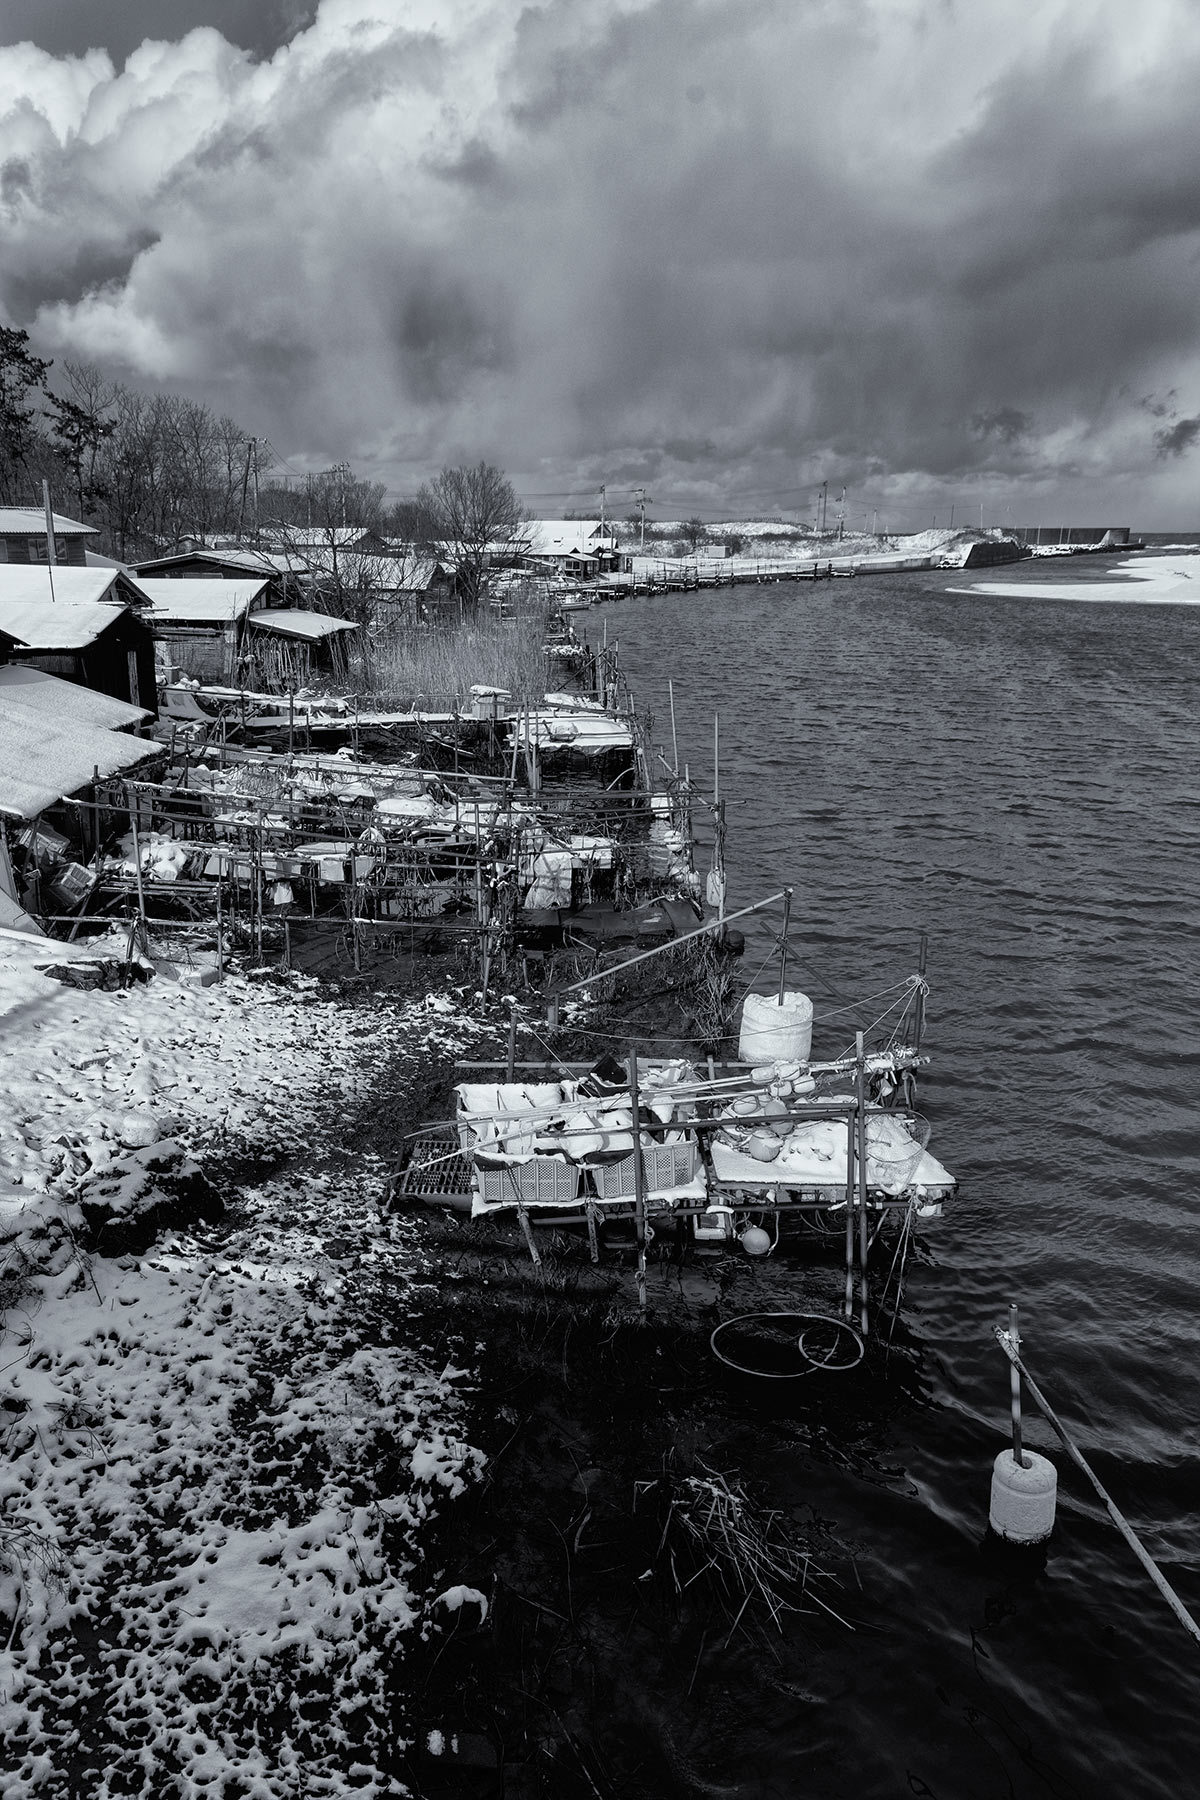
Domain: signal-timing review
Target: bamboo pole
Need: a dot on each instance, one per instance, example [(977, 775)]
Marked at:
[(716, 758), (671, 944), (639, 1181), (864, 1245), (848, 1304), (1118, 1518), (1014, 1336), (783, 942)]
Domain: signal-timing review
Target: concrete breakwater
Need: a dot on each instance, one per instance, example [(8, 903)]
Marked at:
[(650, 575)]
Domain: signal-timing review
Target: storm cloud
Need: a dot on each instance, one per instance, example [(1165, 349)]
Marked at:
[(727, 249)]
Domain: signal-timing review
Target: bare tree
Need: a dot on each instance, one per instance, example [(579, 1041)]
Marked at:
[(473, 518), (334, 527)]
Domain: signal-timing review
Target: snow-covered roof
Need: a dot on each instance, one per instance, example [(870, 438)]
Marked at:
[(199, 601), (37, 582), (85, 603), (273, 562), (562, 537), (289, 623), (47, 693), (317, 538), (30, 521), (55, 735)]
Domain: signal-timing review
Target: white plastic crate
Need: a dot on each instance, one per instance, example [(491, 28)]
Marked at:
[(664, 1166), (542, 1181)]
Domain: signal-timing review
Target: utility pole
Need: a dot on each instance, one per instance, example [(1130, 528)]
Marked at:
[(841, 527), (245, 485), (641, 494), (254, 449), (602, 492), (824, 500)]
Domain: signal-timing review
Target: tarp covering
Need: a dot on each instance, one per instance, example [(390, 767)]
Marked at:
[(52, 738), (289, 623)]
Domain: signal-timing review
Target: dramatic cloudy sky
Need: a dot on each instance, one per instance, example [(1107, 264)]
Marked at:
[(942, 251)]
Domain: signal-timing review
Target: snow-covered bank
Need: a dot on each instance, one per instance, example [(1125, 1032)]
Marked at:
[(221, 1461)]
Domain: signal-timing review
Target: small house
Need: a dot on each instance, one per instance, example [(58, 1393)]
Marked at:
[(24, 539), (288, 577), (86, 626), (288, 649), (200, 625), (578, 547)]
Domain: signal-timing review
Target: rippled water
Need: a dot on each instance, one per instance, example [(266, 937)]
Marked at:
[(1017, 778)]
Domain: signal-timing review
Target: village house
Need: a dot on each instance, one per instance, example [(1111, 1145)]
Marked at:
[(288, 577), (200, 624), (583, 548), (86, 626), (224, 632), (23, 537)]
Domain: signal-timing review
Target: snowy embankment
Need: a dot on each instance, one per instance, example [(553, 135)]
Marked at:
[(218, 1461)]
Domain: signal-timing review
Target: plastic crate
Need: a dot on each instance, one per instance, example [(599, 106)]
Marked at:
[(664, 1166), (542, 1181)]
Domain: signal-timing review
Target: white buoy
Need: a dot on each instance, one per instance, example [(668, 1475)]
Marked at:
[(1023, 1498), (755, 1241)]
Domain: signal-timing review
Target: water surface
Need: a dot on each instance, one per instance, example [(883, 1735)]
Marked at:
[(1018, 779)]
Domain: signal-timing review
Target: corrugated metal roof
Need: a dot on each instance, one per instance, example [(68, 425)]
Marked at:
[(83, 606), (51, 741), (30, 521), (288, 623), (199, 601)]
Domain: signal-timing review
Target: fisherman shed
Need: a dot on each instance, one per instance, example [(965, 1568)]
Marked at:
[(57, 741), (87, 626), (201, 625)]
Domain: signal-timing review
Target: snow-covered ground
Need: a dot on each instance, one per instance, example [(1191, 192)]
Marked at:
[(1139, 581), (220, 1459)]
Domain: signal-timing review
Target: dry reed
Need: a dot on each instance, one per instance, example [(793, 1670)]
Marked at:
[(432, 668), (712, 1530)]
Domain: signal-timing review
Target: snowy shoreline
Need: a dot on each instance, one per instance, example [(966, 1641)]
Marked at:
[(222, 1459)]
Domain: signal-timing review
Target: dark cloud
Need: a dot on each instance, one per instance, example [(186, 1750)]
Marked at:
[(1173, 440), (444, 336), (69, 27), (66, 277), (730, 248)]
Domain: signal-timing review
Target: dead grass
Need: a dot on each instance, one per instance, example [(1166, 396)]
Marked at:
[(433, 668)]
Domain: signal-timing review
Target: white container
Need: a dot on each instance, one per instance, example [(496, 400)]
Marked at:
[(772, 1033), (1023, 1498)]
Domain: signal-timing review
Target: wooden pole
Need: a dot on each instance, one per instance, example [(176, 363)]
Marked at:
[(919, 1023), (511, 1063), (137, 865), (220, 938), (639, 1181), (860, 1077), (674, 738)]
